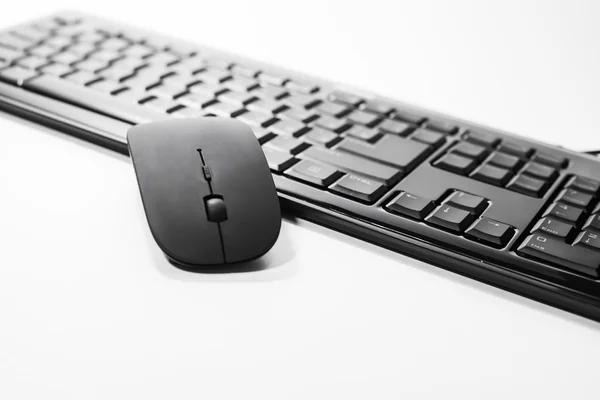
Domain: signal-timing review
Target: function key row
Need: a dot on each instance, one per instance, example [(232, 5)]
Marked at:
[(458, 213), (567, 234), (501, 163)]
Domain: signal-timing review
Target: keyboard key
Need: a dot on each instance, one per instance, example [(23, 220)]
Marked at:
[(589, 239), (455, 163), (392, 150), (346, 98), (106, 86), (451, 218), (575, 197), (553, 227), (490, 232), (551, 160), (219, 63), (225, 110), (378, 107), (334, 109), (139, 51), (359, 188), (278, 160), (555, 251), (262, 134), (321, 137), (529, 186), (593, 223), (288, 144), (56, 69), (91, 65), (187, 112), (302, 101), (442, 126), (428, 137), (272, 79), (363, 118), (16, 75), (66, 58), (245, 71), (58, 42), (82, 77), (114, 43), (32, 62), (410, 205), (409, 116), (266, 106), (383, 173), (302, 87), (396, 127), (196, 100), (471, 203), (584, 184), (207, 89), (480, 138), (470, 150), (332, 124), (363, 133), (15, 42), (241, 84), (8, 55), (239, 98), (515, 149), (505, 161), (163, 59), (167, 91), (493, 175), (299, 114), (566, 212), (316, 173), (162, 105), (288, 127), (270, 92), (116, 74), (106, 55), (255, 118), (540, 171)]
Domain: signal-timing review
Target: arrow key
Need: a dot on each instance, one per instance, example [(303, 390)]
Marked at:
[(451, 218), (490, 232)]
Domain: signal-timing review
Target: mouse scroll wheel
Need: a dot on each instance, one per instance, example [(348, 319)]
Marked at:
[(215, 208), (207, 173)]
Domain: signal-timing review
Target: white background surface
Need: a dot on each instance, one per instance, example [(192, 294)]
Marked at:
[(90, 309)]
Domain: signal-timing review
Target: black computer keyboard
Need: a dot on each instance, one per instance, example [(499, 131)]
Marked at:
[(518, 214)]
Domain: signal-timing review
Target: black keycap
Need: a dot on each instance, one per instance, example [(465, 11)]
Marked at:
[(409, 116), (82, 77), (302, 87), (278, 160), (363, 133), (332, 124), (32, 62), (272, 79), (566, 212), (490, 232), (241, 84), (442, 126), (396, 127), (299, 114), (575, 197), (451, 218), (346, 98), (288, 144), (551, 160), (473, 204), (316, 173), (321, 137), (196, 100), (515, 149), (162, 105), (434, 139), (493, 175), (392, 150), (359, 188), (56, 69), (540, 171), (455, 163), (270, 92), (288, 127), (410, 205), (481, 138), (553, 227), (302, 101), (383, 173), (470, 150), (266, 106), (363, 118), (505, 161), (584, 184), (378, 107), (225, 110), (529, 186), (16, 75), (255, 118), (555, 251), (262, 134), (335, 109), (8, 55), (589, 239), (239, 98), (593, 223)]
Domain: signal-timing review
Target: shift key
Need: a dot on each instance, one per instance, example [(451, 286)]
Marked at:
[(390, 149), (574, 258)]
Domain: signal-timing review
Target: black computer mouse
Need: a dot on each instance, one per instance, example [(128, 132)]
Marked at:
[(207, 190)]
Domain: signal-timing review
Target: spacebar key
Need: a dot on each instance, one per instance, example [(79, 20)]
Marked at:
[(78, 95), (575, 258)]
